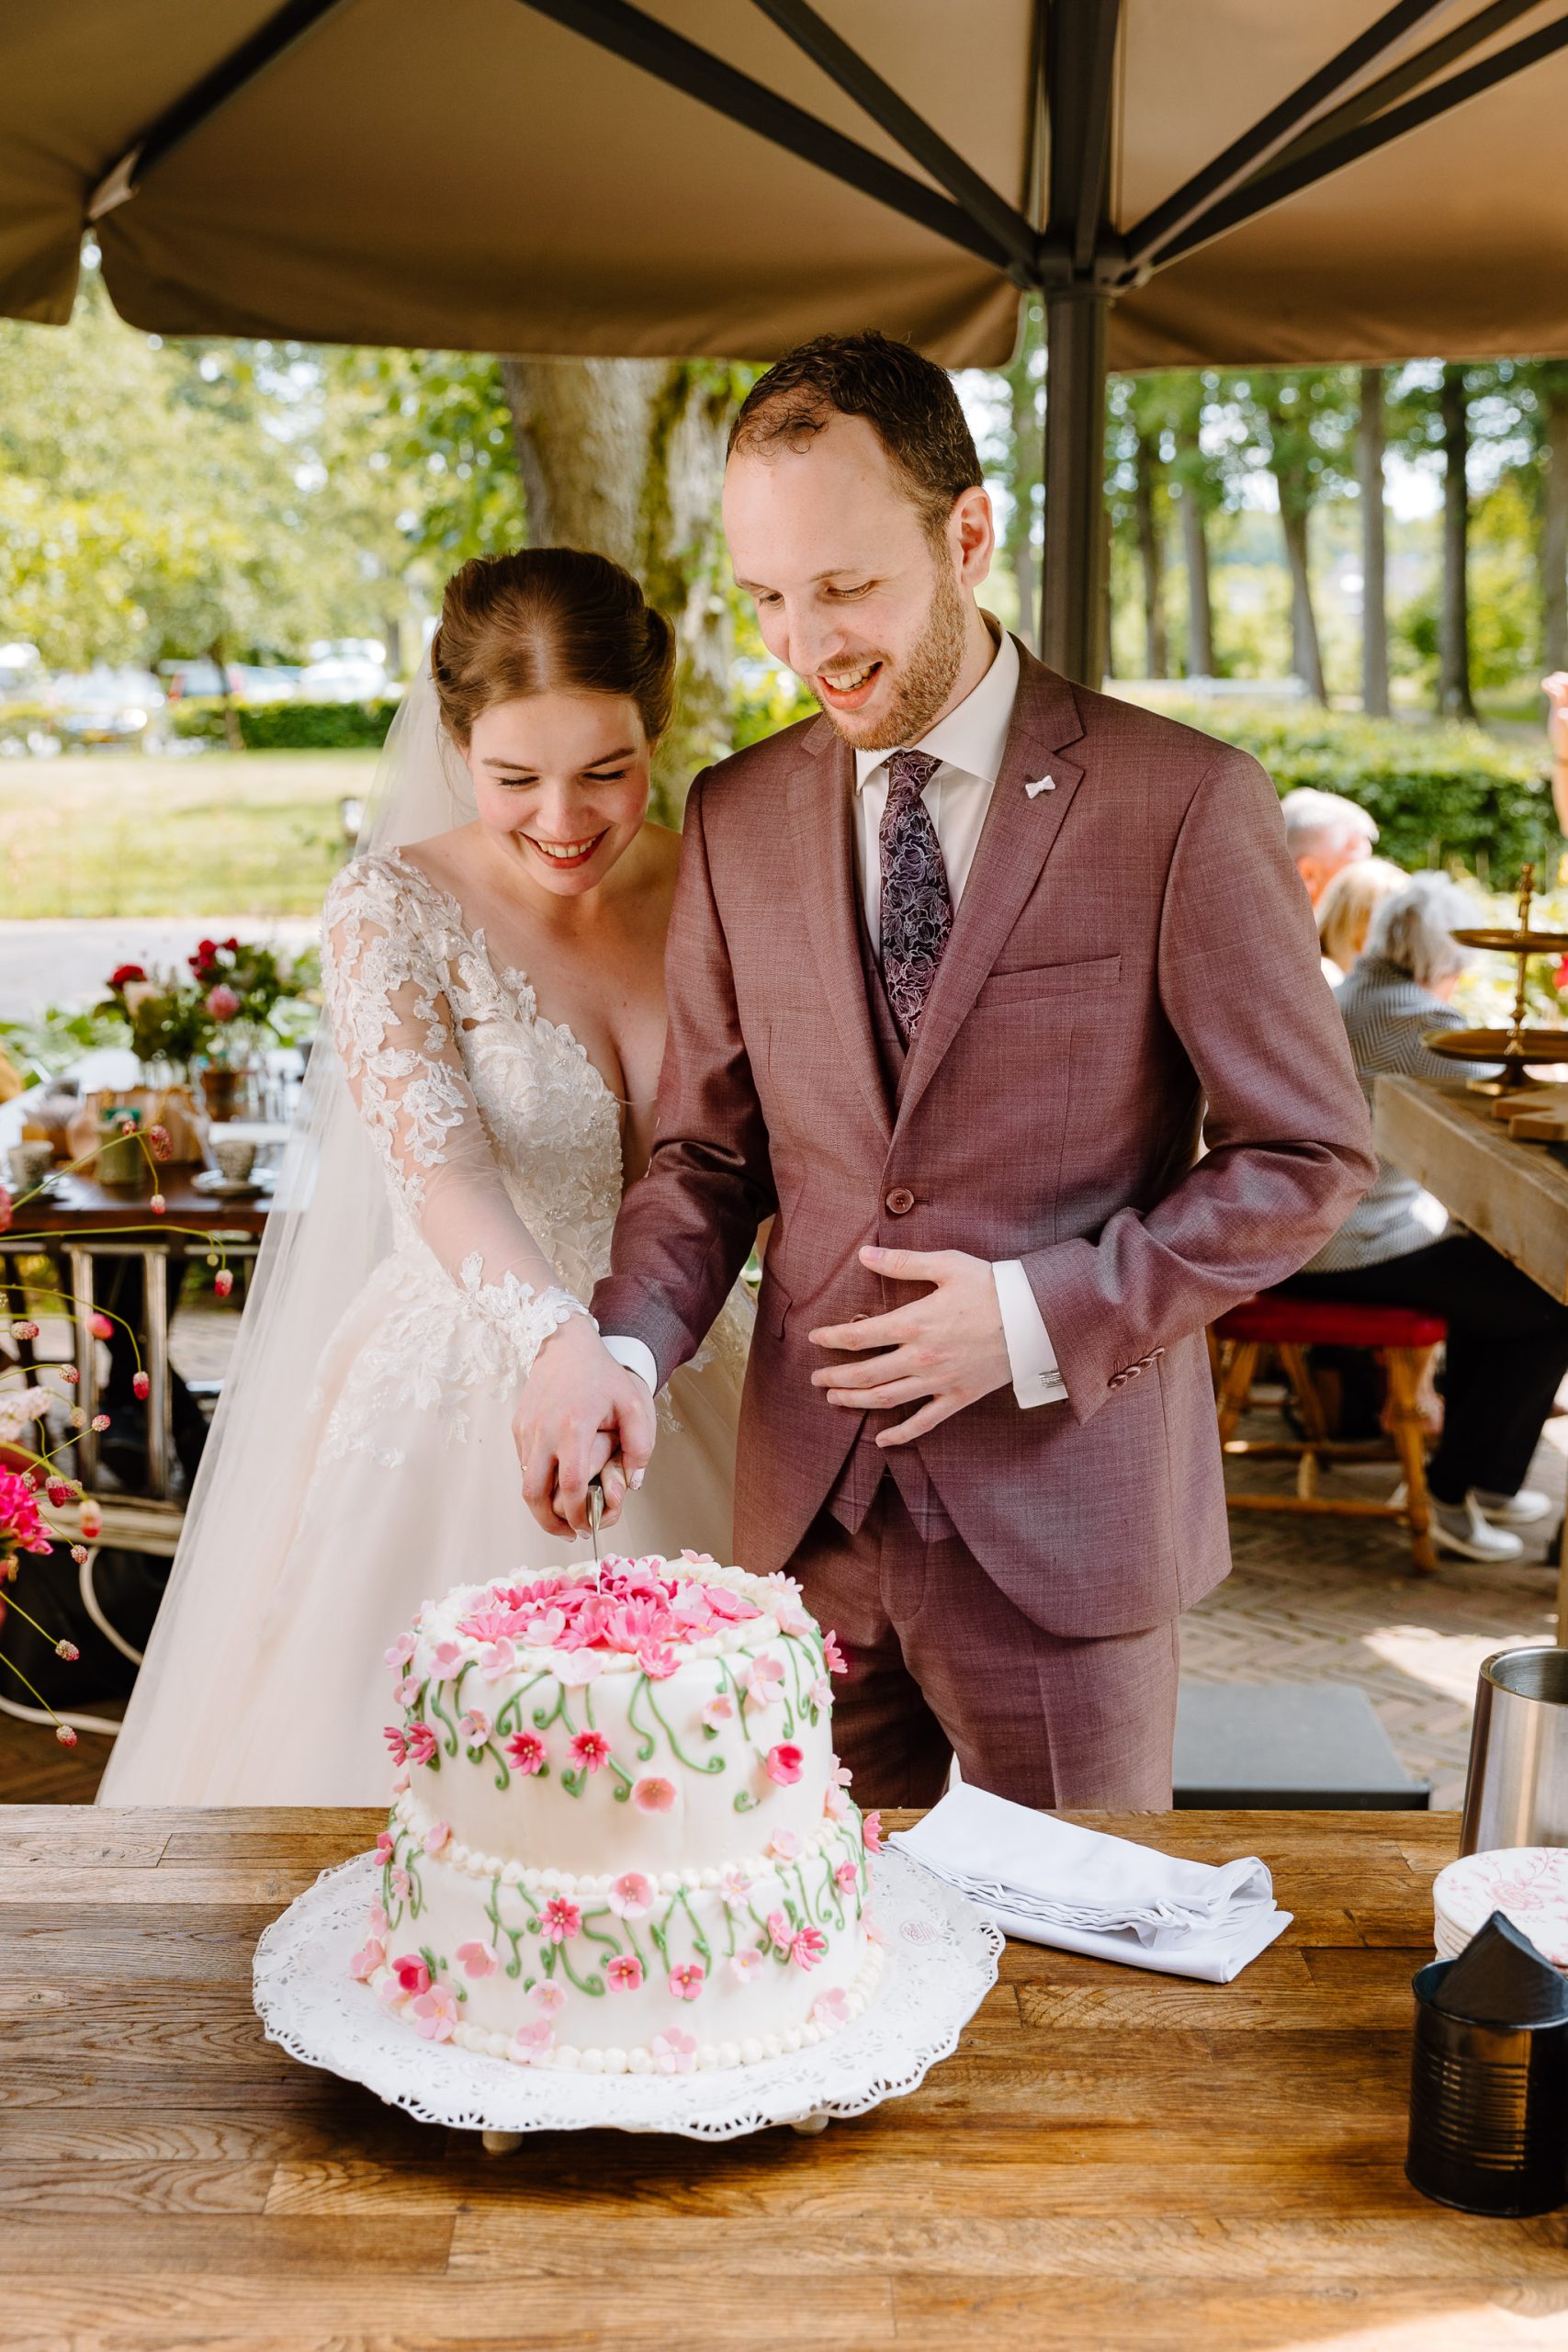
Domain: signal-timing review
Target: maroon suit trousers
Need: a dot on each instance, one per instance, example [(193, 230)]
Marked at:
[(942, 1664)]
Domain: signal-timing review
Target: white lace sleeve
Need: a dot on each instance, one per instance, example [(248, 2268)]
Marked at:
[(394, 1031)]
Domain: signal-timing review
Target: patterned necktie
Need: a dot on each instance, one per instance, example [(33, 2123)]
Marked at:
[(916, 906)]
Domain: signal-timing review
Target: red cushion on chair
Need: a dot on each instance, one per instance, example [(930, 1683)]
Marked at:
[(1274, 1319)]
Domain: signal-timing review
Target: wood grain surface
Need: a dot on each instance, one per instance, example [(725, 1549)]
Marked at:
[(1112, 2159)]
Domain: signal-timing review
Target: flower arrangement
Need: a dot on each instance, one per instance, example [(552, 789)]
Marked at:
[(234, 993), (165, 1019)]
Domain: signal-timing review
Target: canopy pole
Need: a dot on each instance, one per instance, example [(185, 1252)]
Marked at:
[(1072, 618)]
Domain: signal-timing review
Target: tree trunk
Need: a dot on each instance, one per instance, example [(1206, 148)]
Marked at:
[(1453, 637), (627, 456), (1374, 556), (1307, 655), (1025, 433), (1554, 533), (1151, 555), (1195, 559)]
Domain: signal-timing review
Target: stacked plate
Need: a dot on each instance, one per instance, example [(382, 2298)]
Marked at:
[(1527, 1883)]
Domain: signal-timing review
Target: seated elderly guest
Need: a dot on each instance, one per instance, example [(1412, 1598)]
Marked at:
[(1345, 910), (1323, 832), (1508, 1338)]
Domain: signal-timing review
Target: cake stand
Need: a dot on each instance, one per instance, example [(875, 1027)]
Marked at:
[(940, 1961)]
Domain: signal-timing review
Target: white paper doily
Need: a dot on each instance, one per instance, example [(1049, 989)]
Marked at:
[(941, 1962)]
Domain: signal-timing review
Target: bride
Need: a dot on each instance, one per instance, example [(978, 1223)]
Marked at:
[(496, 1000)]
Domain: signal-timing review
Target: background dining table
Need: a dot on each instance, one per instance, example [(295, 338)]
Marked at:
[(1112, 2159)]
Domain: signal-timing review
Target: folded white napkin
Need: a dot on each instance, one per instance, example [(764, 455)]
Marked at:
[(1053, 1882)]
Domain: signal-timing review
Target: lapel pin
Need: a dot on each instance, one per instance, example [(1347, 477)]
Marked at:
[(1047, 783)]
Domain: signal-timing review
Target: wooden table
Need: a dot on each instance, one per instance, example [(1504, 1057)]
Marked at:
[(1514, 1194), (1112, 2159)]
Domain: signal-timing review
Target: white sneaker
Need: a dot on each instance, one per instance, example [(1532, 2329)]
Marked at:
[(1462, 1528), (1522, 1509)]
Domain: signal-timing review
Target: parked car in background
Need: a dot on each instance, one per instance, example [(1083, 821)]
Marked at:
[(349, 668), (106, 706)]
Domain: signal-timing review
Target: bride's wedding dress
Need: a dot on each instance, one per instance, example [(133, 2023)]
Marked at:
[(492, 1126)]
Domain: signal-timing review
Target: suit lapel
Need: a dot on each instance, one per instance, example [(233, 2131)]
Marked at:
[(821, 816), (1018, 834)]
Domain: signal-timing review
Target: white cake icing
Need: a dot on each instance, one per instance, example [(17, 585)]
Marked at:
[(620, 1838)]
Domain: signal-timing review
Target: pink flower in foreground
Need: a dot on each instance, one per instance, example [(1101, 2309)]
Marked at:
[(808, 1947), (531, 2043), (434, 2013), (762, 1680), (747, 1964), (497, 1658), (405, 1692), (5, 1209), (222, 1281), (385, 1842), (221, 1002), (158, 1205), (397, 1743), (631, 1897), (437, 1835), (785, 1763), (624, 1974), (561, 1920), (736, 1885), (100, 1327), (778, 1930), (370, 1956), (591, 1749), (402, 1650), (658, 1660), (653, 1794), (785, 1846), (447, 1657), (686, 1982), (871, 1832), (832, 2007), (422, 1744), (64, 1734), (527, 1752), (674, 2052), (845, 1875), (141, 1386), (833, 1657), (412, 1972), (478, 1958), (719, 1710), (549, 1998), (473, 1729)]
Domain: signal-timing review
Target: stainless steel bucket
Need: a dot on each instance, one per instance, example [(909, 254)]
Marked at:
[(1517, 1789)]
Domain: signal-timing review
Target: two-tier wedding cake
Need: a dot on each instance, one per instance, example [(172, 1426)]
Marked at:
[(620, 1839)]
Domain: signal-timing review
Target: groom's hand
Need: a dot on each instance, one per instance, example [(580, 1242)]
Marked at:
[(579, 1408), (948, 1347)]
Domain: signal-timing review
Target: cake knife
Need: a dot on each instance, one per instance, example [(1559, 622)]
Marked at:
[(595, 1500)]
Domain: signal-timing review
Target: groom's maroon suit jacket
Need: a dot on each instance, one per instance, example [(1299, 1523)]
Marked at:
[(1134, 957)]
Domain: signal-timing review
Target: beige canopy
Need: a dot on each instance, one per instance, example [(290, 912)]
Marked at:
[(1187, 181)]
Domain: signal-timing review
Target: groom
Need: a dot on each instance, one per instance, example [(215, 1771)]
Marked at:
[(956, 972)]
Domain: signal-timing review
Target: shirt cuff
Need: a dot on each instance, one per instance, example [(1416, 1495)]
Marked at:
[(639, 1357), (1031, 1359)]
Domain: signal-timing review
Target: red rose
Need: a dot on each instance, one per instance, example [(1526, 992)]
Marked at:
[(125, 972)]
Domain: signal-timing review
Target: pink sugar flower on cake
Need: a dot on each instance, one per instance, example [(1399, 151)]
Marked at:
[(412, 1972), (808, 1948), (792, 1617), (402, 1649), (778, 1930), (821, 1692), (447, 1657), (657, 1659), (438, 1834), (473, 1729), (746, 1965), (402, 1885), (384, 1844), (528, 1751), (391, 1994), (785, 1846), (871, 1832), (549, 1998), (845, 1875), (686, 1982), (719, 1710), (784, 1762), (697, 1559), (832, 1656), (490, 1625), (761, 1678), (631, 1897), (377, 1920), (396, 1742), (591, 1750), (733, 1607), (653, 1794), (434, 2013), (674, 2052), (371, 1955), (543, 1632), (577, 1667), (422, 1744), (478, 1958), (736, 1883), (559, 1920), (406, 1691), (624, 1974), (832, 2007), (497, 1658), (531, 2043)]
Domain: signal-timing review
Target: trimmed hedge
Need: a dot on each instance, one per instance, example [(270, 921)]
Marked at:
[(287, 726), (1438, 793)]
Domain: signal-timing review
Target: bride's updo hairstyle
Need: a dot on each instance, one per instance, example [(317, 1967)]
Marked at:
[(548, 620)]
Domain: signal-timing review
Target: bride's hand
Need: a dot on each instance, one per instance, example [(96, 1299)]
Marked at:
[(578, 1409)]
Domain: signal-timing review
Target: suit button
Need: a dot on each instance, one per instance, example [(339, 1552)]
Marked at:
[(899, 1201)]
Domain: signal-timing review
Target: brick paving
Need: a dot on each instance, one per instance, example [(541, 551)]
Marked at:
[(1308, 1600)]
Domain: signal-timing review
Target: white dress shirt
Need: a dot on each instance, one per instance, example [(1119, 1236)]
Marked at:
[(969, 742)]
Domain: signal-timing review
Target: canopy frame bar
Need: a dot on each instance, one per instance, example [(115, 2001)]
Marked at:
[(1326, 161), (859, 81), (1258, 145)]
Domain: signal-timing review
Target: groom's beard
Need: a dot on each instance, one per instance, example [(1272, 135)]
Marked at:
[(922, 680)]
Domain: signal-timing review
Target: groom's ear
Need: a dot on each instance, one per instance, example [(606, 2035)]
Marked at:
[(972, 535)]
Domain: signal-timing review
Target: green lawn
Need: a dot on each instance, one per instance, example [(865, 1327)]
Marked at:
[(120, 833)]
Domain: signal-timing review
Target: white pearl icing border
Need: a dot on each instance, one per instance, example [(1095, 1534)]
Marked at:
[(474, 1864), (754, 2050), (437, 1620)]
